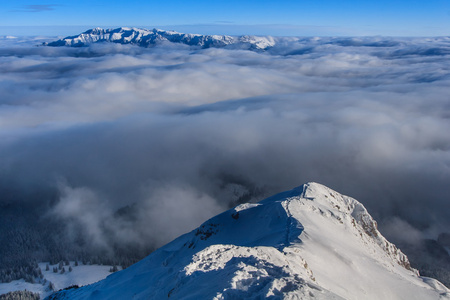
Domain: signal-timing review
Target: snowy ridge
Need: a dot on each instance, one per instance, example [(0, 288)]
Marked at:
[(347, 209), (307, 243), (146, 38)]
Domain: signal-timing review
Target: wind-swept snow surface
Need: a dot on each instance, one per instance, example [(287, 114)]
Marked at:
[(307, 243)]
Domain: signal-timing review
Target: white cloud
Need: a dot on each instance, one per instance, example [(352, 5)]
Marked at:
[(367, 116)]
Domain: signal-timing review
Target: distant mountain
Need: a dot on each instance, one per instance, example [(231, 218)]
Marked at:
[(146, 38), (307, 243)]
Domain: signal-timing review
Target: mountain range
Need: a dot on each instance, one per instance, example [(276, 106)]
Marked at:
[(147, 38), (307, 243)]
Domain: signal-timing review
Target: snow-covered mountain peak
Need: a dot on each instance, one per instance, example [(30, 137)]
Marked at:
[(307, 243), (344, 211), (147, 38)]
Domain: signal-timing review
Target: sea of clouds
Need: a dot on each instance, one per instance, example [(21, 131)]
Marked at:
[(182, 133)]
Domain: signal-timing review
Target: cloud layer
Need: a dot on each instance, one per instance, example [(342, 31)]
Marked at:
[(179, 134), (36, 8)]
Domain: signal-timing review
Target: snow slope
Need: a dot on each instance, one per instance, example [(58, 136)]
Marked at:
[(307, 243), (80, 275), (145, 37)]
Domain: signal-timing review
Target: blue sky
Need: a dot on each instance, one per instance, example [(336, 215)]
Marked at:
[(283, 17)]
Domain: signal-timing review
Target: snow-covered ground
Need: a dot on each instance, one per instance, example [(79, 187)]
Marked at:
[(80, 275), (21, 285), (307, 243)]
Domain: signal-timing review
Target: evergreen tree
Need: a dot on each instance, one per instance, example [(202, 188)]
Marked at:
[(113, 269), (20, 295)]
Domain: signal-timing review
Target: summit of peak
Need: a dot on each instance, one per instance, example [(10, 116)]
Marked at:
[(310, 242)]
